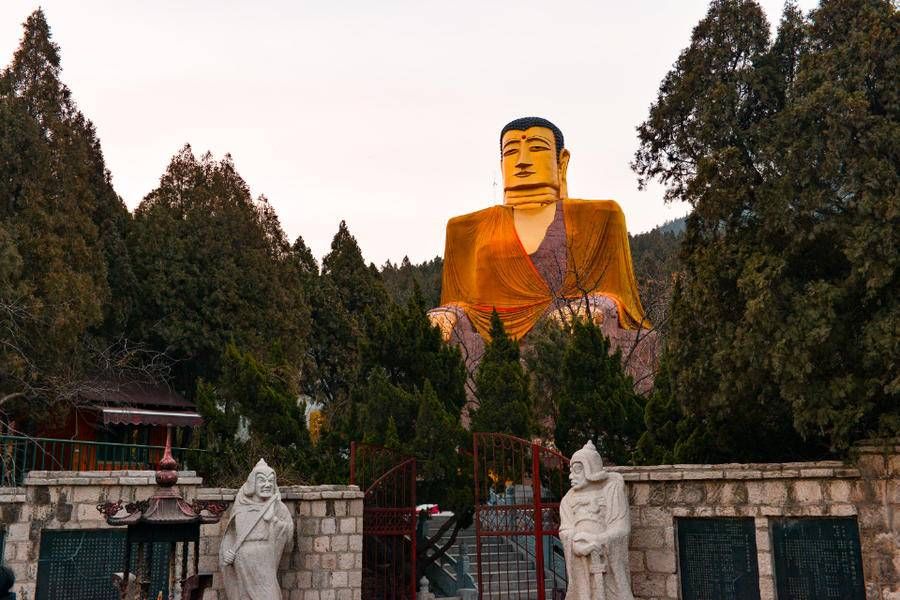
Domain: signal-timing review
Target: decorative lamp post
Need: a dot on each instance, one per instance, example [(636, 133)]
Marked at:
[(156, 528)]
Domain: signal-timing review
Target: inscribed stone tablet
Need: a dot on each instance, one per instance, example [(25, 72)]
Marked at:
[(817, 559), (717, 559)]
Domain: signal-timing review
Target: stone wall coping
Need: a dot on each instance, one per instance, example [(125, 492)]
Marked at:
[(889, 445), (829, 469), (10, 495), (292, 492), (131, 477)]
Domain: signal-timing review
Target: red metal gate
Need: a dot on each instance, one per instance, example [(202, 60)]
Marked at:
[(518, 486), (388, 479)]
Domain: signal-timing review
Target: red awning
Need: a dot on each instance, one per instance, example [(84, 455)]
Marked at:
[(137, 416)]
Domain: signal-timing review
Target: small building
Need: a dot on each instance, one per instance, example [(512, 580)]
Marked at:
[(110, 426)]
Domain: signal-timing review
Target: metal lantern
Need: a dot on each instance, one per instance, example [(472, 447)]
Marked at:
[(162, 544)]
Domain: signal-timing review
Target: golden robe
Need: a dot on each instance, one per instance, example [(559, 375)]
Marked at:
[(487, 268)]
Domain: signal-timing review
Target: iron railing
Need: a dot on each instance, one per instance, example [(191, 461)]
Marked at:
[(19, 455)]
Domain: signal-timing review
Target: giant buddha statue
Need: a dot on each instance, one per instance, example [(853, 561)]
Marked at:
[(540, 254)]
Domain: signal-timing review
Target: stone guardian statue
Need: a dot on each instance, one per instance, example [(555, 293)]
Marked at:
[(595, 523), (259, 530)]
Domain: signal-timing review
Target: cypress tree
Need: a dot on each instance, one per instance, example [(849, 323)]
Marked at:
[(504, 398), (782, 328), (597, 398), (66, 224), (215, 268)]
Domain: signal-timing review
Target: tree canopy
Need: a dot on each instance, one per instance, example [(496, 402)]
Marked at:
[(785, 324)]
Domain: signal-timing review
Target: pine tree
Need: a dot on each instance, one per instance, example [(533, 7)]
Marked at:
[(662, 418), (544, 352), (782, 328), (215, 268), (405, 344), (359, 287), (504, 398), (597, 398), (65, 221), (834, 235), (251, 411)]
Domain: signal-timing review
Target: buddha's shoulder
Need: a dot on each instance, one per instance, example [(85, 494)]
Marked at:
[(472, 218), (593, 205)]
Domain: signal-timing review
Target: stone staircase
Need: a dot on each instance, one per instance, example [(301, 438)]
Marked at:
[(508, 570)]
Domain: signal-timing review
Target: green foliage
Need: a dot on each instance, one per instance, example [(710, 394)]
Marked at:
[(597, 399), (544, 353), (251, 412), (785, 328), (411, 351), (504, 397), (380, 405), (445, 473), (401, 281), (654, 255), (68, 281), (664, 423), (214, 266)]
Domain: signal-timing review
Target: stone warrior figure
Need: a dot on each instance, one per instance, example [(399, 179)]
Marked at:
[(594, 528), (258, 531)]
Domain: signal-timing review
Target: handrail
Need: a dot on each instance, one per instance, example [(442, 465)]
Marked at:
[(20, 455), (527, 549)]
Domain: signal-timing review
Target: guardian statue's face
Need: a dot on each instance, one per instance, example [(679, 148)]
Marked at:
[(265, 485), (577, 476), (529, 160)]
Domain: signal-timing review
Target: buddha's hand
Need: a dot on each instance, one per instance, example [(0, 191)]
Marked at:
[(229, 557), (444, 318)]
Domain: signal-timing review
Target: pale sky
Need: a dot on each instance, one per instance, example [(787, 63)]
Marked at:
[(384, 113)]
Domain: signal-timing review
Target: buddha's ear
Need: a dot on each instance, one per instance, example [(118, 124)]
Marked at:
[(563, 168)]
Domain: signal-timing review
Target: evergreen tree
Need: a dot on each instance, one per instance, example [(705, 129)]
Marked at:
[(336, 329), (662, 419), (378, 405), (831, 233), (66, 225), (411, 350), (401, 280), (444, 473), (215, 267), (504, 398), (250, 411), (782, 329), (597, 398), (544, 352), (359, 288)]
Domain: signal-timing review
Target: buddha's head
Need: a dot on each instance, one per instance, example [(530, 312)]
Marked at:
[(534, 161)]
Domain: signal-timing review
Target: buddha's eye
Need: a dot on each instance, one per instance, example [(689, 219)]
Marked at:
[(511, 152), (539, 148)]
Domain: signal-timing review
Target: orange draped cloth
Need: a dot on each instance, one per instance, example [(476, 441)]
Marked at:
[(486, 266)]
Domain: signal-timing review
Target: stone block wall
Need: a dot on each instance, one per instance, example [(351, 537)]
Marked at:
[(65, 500), (325, 564), (868, 489)]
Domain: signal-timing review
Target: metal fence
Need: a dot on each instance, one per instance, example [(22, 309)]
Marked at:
[(20, 455)]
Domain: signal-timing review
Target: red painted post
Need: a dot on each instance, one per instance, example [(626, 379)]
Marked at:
[(413, 534), (538, 520), (477, 516)]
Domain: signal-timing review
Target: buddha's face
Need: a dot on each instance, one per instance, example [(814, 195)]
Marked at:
[(530, 164)]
